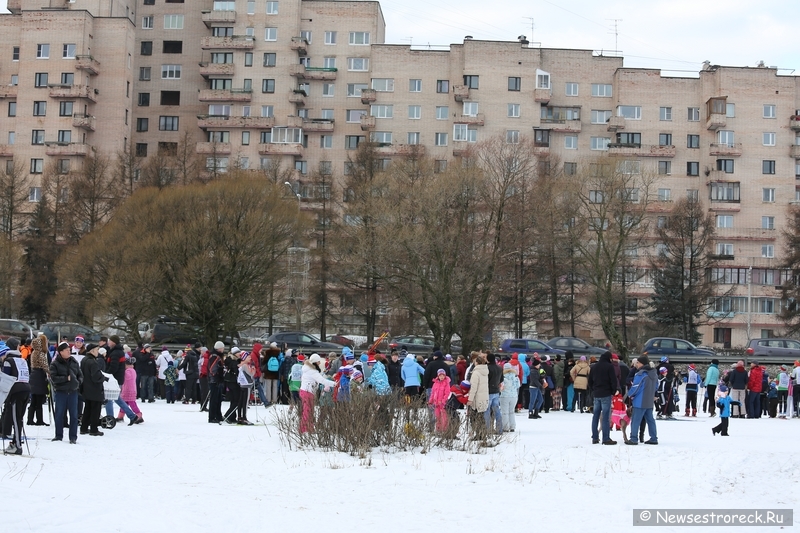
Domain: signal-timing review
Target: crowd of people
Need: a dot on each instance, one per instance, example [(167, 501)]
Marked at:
[(83, 379)]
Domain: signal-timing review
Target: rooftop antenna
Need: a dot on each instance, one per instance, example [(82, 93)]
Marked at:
[(530, 19), (616, 33), (409, 39)]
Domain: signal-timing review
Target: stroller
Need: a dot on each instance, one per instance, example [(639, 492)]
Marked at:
[(111, 389)]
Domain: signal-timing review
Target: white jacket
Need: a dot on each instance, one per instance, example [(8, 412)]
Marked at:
[(162, 362), (312, 378)]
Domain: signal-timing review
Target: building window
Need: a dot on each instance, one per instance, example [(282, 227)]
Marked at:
[(692, 168), (359, 37), (42, 51), (767, 222), (462, 132), (170, 72), (37, 166), (354, 89), (692, 141), (381, 137), (354, 115), (270, 34), (767, 195), (665, 167), (269, 59), (64, 136), (68, 78), (439, 166), (166, 123), (414, 112), (629, 112), (268, 86), (358, 64), (724, 221), (287, 135), (730, 110), (15, 53), (724, 192), (172, 47), (415, 86), (692, 195), (142, 124), (665, 139), (596, 197), (12, 109), (141, 149), (62, 166), (37, 137), (570, 169), (144, 73), (512, 137), (272, 8), (664, 195), (470, 109), (329, 62), (34, 193), (768, 139), (147, 23), (571, 142), (513, 110), (170, 98), (381, 111), (326, 141), (440, 139), (442, 112), (248, 59), (40, 79), (600, 143), (266, 111), (471, 81), (514, 84), (384, 85), (664, 113), (442, 86), (602, 90), (768, 167), (173, 22), (541, 138), (328, 89), (693, 114), (725, 165), (600, 116), (146, 48), (39, 109), (767, 250), (68, 51), (351, 142), (412, 137), (330, 37), (769, 110), (571, 88)]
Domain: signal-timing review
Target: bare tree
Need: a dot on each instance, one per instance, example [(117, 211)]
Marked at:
[(10, 270), (128, 168), (14, 191)]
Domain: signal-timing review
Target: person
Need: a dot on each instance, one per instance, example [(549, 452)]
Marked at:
[(17, 400), (509, 396), (128, 392), (782, 389), (67, 377), (410, 373), (170, 381), (115, 365), (754, 385), (461, 367), (180, 382), (216, 383), (295, 379), (245, 379), (255, 360), (737, 383), (431, 370), (38, 380), (92, 392), (378, 378), (711, 381), (25, 349), (661, 392), (312, 379), (794, 388), (524, 385), (772, 399), (78, 347), (547, 367), (270, 373), (203, 379), (580, 382), (619, 414), (479, 387), (558, 383), (231, 380), (536, 389), (394, 370), (724, 403), (147, 374), (493, 412), (622, 371), (642, 395), (568, 392), (191, 369), (163, 359), (693, 383), (440, 392), (603, 383), (284, 372), (668, 405)]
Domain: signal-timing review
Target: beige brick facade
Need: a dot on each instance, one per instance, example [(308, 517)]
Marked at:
[(305, 65)]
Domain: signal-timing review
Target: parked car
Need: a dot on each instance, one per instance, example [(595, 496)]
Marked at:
[(15, 328), (419, 345), (341, 339), (658, 347), (68, 331), (528, 346), (774, 348), (300, 340), (576, 345), (168, 330)]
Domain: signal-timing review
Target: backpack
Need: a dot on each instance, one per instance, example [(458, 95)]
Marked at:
[(273, 364), (764, 382)]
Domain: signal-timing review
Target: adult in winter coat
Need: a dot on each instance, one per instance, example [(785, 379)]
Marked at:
[(147, 374), (394, 370), (38, 380), (284, 373), (216, 383), (479, 386), (270, 372), (568, 392), (603, 382), (536, 389), (712, 379), (461, 368), (642, 395), (17, 400), (410, 373), (203, 379), (580, 382), (432, 369), (378, 379), (92, 392), (558, 382), (495, 379), (524, 390), (191, 368), (310, 382), (162, 362), (509, 396), (754, 387), (547, 368), (67, 377), (231, 382), (737, 381)]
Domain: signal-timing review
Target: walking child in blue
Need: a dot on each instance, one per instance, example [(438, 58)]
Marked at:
[(724, 403)]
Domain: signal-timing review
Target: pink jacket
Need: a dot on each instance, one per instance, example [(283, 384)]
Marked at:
[(128, 393), (440, 392)]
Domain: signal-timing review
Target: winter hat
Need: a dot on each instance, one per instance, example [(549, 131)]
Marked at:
[(315, 358), (79, 338), (114, 339), (784, 368), (754, 363), (364, 358), (723, 388), (5, 349), (643, 359), (692, 367), (62, 346), (663, 370), (448, 357), (664, 359), (12, 343), (715, 361), (301, 357), (347, 351), (437, 354), (126, 348), (90, 347), (371, 360), (219, 345), (773, 386), (131, 361), (508, 366), (797, 363), (349, 356), (536, 355), (146, 346), (441, 371), (465, 384), (546, 358), (289, 352), (197, 345), (357, 374), (346, 370), (102, 351), (569, 355), (235, 350), (583, 358), (614, 357)]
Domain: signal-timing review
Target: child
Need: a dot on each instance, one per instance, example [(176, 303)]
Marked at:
[(724, 403), (296, 378), (619, 413), (128, 393), (170, 378), (439, 394), (662, 392), (356, 382), (509, 396), (692, 386), (772, 398), (342, 391)]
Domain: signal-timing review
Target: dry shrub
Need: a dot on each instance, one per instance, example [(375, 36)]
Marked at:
[(391, 423)]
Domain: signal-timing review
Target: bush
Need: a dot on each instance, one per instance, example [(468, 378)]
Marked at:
[(391, 423)]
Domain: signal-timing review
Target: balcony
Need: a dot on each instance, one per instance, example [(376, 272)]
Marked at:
[(66, 149), (726, 149), (299, 45), (794, 151), (224, 121), (294, 149), (368, 96), (87, 63), (403, 150), (298, 97), (473, 120), (745, 234), (302, 72), (542, 95), (367, 123), (212, 18), (73, 92), (8, 91), (214, 148), (640, 150), (541, 148), (794, 122), (6, 150), (717, 175), (462, 151), (616, 123), (83, 121), (460, 93), (561, 126), (222, 95), (236, 42), (216, 69), (716, 121), (318, 125)]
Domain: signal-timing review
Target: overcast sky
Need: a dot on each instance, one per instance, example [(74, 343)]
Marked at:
[(667, 34)]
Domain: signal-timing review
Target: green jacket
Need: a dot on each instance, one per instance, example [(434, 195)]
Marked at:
[(558, 374)]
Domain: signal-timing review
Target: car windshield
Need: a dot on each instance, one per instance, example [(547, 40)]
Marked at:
[(308, 338), (536, 345)]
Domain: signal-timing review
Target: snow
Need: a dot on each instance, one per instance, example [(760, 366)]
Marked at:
[(177, 472)]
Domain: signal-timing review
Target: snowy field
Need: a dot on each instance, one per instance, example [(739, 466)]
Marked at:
[(177, 473)]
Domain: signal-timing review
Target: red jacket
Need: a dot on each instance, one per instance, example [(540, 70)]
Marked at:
[(462, 395), (461, 369), (255, 358), (755, 378), (516, 364)]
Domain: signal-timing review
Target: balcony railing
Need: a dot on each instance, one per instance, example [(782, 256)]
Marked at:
[(794, 122), (401, 150), (298, 97), (8, 91), (460, 93), (561, 125), (302, 72), (368, 96), (542, 95), (716, 121), (640, 150), (214, 148), (318, 125), (73, 91), (210, 18), (6, 150), (223, 95), (66, 149), (83, 121), (294, 149), (299, 45), (367, 122), (473, 120), (794, 151), (235, 42), (226, 121), (87, 63), (216, 69), (616, 123), (746, 234), (725, 149)]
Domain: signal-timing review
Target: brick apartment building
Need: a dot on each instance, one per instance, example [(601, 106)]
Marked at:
[(250, 82)]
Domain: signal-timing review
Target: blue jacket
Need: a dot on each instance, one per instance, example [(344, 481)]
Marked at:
[(379, 380), (643, 390), (724, 405), (510, 385), (411, 372), (526, 370), (712, 375), (343, 394)]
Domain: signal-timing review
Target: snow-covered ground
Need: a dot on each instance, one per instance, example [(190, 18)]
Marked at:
[(177, 473)]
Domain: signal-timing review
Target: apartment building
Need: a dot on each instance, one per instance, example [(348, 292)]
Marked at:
[(300, 83)]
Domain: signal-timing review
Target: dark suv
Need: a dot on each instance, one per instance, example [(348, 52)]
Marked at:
[(419, 345), (15, 328), (68, 331), (658, 347), (528, 346), (300, 340), (576, 345)]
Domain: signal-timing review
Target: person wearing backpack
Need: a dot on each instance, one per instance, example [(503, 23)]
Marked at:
[(270, 372)]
